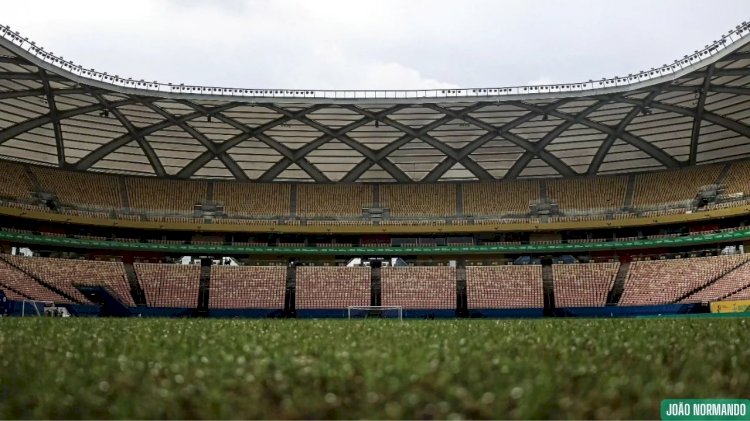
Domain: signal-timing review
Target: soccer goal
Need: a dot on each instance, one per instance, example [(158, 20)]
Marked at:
[(375, 312), (36, 308)]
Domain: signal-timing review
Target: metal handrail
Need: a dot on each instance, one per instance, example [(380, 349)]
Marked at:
[(733, 36)]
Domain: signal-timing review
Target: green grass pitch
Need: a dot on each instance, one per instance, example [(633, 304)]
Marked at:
[(204, 368)]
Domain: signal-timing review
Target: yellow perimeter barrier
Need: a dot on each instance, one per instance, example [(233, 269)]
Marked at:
[(739, 306)]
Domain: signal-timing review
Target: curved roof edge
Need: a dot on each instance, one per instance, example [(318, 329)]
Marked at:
[(711, 53)]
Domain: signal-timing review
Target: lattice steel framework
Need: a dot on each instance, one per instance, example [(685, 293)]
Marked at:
[(54, 113)]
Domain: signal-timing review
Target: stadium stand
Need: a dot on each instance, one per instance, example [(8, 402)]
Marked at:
[(59, 273), (169, 285), (509, 286), (164, 195), (587, 193), (253, 199), (494, 199), (332, 200), (419, 287), (79, 188), (658, 188), (261, 287), (743, 294), (14, 181), (737, 179), (332, 287), (666, 281), (583, 285), (14, 280), (728, 284), (421, 200)]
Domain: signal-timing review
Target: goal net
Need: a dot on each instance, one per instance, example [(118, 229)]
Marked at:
[(375, 312), (36, 308)]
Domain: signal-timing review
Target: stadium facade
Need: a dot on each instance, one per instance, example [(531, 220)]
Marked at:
[(443, 202)]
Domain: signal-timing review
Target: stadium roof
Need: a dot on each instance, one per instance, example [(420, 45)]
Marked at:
[(694, 110)]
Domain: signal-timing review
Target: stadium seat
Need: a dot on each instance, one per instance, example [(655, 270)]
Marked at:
[(420, 200), (11, 279), (169, 285), (509, 286), (333, 200), (240, 287), (65, 273), (496, 199), (164, 195), (419, 287), (253, 199), (332, 287), (583, 284), (666, 281)]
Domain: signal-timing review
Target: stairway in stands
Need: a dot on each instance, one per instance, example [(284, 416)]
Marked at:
[(613, 298), (630, 191), (461, 300), (123, 193), (203, 288), (712, 281), (375, 288), (291, 283), (549, 289), (139, 297), (38, 279)]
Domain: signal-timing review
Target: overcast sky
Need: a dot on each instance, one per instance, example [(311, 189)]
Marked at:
[(383, 44)]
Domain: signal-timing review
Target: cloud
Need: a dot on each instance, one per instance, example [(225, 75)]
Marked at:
[(542, 80), (387, 44), (397, 76)]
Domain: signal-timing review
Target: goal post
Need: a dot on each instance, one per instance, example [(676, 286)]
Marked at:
[(34, 307), (38, 308), (375, 312)]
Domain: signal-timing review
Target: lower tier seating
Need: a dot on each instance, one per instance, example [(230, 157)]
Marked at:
[(743, 294), (19, 286), (419, 287), (510, 286), (583, 285), (666, 281), (332, 287), (247, 287), (169, 285), (727, 285), (59, 273)]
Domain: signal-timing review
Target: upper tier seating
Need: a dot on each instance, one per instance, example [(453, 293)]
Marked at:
[(660, 187), (419, 199), (419, 287), (79, 188), (509, 286), (588, 192), (169, 285), (493, 199), (247, 287), (738, 178), (728, 284), (253, 199), (331, 200), (164, 195), (332, 287), (583, 285), (60, 273), (12, 279), (665, 281), (14, 181)]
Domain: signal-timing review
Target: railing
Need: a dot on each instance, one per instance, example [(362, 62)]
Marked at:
[(733, 36), (191, 217)]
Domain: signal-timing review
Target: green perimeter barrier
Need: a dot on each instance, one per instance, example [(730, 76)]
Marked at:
[(24, 238)]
